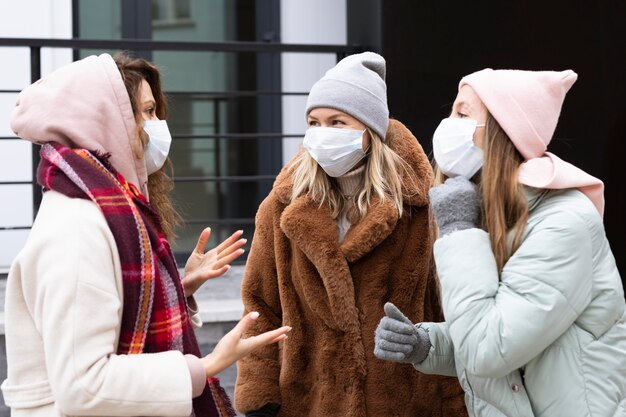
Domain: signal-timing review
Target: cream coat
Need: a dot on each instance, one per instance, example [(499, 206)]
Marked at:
[(63, 315)]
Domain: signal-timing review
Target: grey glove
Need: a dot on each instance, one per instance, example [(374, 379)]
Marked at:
[(398, 340), (456, 205)]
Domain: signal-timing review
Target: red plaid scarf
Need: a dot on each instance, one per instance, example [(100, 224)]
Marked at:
[(155, 317)]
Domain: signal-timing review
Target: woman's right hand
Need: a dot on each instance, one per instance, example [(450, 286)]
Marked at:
[(233, 346), (456, 205)]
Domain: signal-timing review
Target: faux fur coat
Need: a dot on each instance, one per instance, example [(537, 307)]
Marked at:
[(333, 294)]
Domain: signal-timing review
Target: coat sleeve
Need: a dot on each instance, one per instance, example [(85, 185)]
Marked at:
[(258, 373), (440, 359), (76, 304), (498, 324)]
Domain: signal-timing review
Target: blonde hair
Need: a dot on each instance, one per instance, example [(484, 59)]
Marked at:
[(505, 207), (384, 172)]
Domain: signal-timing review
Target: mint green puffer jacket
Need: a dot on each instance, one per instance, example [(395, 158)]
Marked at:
[(548, 338)]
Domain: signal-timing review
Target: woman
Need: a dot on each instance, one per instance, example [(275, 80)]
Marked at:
[(345, 227), (535, 312), (97, 318)]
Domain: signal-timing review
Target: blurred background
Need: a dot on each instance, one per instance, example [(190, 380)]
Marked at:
[(239, 71)]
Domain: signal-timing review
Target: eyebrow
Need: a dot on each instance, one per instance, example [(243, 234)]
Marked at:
[(462, 104), (330, 116), (150, 102)]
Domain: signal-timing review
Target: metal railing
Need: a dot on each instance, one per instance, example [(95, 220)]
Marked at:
[(35, 46)]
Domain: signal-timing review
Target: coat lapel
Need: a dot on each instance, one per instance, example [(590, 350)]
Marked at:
[(315, 233), (375, 227)]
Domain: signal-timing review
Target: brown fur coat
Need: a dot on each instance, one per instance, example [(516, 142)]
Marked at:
[(332, 295)]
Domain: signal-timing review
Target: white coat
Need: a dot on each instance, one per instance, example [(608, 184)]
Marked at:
[(63, 316)]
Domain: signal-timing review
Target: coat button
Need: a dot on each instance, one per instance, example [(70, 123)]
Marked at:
[(514, 387)]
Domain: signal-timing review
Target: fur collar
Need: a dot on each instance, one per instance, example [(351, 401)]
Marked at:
[(310, 225)]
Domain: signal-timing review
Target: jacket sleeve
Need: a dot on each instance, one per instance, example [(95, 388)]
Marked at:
[(498, 324), (440, 359), (76, 304), (258, 373)]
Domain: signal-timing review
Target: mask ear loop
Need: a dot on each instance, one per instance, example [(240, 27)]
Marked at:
[(367, 150)]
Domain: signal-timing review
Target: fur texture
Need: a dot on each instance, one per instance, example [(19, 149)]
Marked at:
[(333, 295)]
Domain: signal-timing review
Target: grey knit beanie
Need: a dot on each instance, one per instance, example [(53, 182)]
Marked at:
[(356, 86)]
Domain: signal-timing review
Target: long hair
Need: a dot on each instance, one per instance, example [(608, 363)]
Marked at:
[(160, 184), (505, 207), (384, 171)]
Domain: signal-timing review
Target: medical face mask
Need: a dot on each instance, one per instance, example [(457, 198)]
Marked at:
[(337, 151), (158, 147), (454, 149)]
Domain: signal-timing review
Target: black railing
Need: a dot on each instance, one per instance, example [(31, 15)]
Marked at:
[(35, 46)]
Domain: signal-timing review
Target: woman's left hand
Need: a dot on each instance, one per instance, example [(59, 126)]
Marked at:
[(233, 346), (201, 266)]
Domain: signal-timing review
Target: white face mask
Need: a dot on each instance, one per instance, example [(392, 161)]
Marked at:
[(158, 147), (454, 149), (337, 151)]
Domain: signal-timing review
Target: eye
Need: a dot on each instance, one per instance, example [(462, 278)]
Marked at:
[(149, 110), (461, 115), (337, 122), (313, 123)]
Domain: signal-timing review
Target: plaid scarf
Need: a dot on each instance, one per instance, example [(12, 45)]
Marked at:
[(155, 317)]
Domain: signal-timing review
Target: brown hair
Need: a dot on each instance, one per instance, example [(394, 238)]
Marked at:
[(505, 207), (160, 184), (504, 201)]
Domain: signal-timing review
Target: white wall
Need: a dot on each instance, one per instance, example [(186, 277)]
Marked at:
[(312, 22), (23, 19)]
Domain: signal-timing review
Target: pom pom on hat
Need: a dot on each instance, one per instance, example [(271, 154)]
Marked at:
[(356, 86), (526, 104)]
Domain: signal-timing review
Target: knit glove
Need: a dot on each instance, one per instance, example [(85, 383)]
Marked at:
[(398, 340), (456, 205), (268, 410)]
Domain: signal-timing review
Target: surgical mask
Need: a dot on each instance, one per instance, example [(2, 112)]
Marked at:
[(454, 149), (158, 146), (337, 151)]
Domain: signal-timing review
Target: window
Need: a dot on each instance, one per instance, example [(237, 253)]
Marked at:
[(171, 12), (226, 137)]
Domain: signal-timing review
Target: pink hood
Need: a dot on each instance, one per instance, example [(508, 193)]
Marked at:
[(83, 105)]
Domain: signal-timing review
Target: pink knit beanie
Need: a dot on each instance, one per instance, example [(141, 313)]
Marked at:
[(527, 105)]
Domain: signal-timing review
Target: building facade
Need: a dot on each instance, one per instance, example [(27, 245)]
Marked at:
[(236, 118)]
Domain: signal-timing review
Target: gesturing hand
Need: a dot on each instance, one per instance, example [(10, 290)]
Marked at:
[(456, 205), (202, 266), (233, 346), (398, 340)]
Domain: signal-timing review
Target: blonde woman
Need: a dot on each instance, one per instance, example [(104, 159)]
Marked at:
[(535, 310), (345, 228)]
